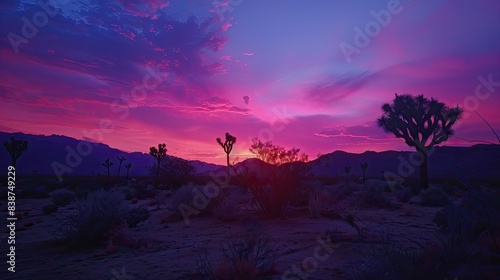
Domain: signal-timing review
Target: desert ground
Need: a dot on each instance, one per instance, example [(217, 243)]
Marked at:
[(165, 246)]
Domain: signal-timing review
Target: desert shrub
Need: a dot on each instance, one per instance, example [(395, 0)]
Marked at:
[(272, 186), (465, 229), (458, 239), (341, 192), (93, 218), (192, 196), (50, 208), (388, 260), (62, 197), (315, 203), (379, 185), (459, 252), (147, 192), (225, 210), (433, 197), (371, 198), (403, 195), (174, 172), (82, 189), (136, 215), (129, 193), (247, 256), (139, 190), (184, 195)]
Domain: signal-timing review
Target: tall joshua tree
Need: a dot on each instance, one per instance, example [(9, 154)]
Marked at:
[(107, 163), (228, 147), (421, 122), (364, 166), (127, 166), (159, 154), (347, 169), (120, 159), (15, 148)]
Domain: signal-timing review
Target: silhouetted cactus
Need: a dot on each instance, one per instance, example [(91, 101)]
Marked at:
[(127, 166), (159, 154), (121, 160), (15, 148), (347, 169), (228, 147), (364, 166), (107, 163), (422, 123)]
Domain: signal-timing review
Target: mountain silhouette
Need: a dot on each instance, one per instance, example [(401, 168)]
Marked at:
[(43, 151), (478, 161)]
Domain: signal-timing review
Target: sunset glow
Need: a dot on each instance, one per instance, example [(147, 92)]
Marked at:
[(186, 72)]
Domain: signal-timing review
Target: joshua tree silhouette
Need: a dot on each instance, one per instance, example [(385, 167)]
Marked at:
[(107, 163), (15, 148), (127, 166), (364, 166), (228, 147), (421, 122), (159, 154), (347, 169), (120, 159)]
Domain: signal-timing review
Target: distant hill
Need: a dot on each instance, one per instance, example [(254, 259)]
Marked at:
[(44, 151), (479, 161)]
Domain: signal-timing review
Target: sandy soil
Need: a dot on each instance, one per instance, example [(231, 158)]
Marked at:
[(173, 246)]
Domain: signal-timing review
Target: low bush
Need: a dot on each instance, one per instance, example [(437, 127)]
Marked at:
[(136, 215), (433, 197), (315, 203), (272, 186), (225, 210), (148, 191), (93, 218), (403, 195), (247, 256), (341, 192), (63, 197), (82, 189), (389, 260), (50, 208), (192, 196), (174, 172), (129, 193), (371, 199), (141, 190)]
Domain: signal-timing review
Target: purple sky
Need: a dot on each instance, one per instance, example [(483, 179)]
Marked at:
[(295, 72)]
